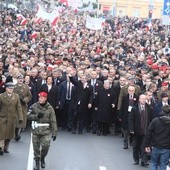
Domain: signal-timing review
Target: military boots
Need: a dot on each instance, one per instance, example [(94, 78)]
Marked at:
[(42, 162), (17, 134), (37, 164)]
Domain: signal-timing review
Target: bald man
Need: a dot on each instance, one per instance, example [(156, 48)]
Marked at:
[(139, 119)]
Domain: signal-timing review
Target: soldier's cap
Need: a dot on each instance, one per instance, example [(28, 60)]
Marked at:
[(9, 85), (166, 109), (42, 94), (164, 95), (20, 76), (131, 78)]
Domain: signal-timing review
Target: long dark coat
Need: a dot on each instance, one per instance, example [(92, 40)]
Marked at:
[(135, 119), (124, 110), (10, 109), (52, 95), (105, 99), (83, 96)]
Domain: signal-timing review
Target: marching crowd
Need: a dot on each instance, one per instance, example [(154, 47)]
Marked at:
[(89, 80)]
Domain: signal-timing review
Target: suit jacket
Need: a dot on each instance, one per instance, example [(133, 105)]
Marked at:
[(124, 111), (159, 92), (102, 78), (33, 92), (135, 119), (34, 80), (157, 109), (124, 91), (59, 80), (63, 94), (52, 95), (97, 87), (38, 85), (142, 86), (83, 97), (117, 89)]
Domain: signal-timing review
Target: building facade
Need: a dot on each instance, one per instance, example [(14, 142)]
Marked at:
[(133, 8)]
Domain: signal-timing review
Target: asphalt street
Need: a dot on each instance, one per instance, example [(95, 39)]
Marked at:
[(73, 152)]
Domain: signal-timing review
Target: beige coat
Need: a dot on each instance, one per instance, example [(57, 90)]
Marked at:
[(25, 96), (10, 109)]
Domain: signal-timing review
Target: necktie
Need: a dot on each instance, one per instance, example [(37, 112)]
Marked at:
[(94, 89), (142, 108), (68, 92), (131, 97)]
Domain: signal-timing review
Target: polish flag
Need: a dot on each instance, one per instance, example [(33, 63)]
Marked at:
[(54, 22), (20, 16), (43, 15), (38, 20), (23, 22), (34, 35)]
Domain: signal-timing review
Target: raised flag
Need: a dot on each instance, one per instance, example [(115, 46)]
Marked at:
[(34, 35), (23, 22)]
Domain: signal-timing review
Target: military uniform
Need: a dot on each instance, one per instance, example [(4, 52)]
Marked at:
[(42, 128), (25, 96), (10, 110)]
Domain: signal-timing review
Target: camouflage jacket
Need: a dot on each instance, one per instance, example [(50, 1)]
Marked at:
[(48, 118)]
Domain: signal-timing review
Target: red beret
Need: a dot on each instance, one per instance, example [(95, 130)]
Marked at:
[(149, 62), (163, 68), (42, 94), (164, 84), (58, 62), (155, 66), (70, 50)]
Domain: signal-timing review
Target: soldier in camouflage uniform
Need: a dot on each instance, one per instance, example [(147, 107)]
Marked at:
[(25, 96), (44, 123)]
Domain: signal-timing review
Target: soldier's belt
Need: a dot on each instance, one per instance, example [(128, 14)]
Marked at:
[(36, 125)]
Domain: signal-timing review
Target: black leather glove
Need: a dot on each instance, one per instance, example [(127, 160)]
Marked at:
[(40, 115), (22, 100), (54, 138), (20, 121)]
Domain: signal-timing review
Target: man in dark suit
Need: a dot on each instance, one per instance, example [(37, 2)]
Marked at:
[(124, 90), (58, 77), (92, 114), (66, 94), (104, 105), (42, 80), (34, 76), (117, 88), (128, 102), (82, 101), (139, 119), (104, 76), (159, 105)]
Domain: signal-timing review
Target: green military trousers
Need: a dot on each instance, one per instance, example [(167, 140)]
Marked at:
[(41, 144)]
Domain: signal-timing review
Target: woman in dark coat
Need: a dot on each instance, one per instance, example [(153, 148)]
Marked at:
[(105, 104), (52, 91)]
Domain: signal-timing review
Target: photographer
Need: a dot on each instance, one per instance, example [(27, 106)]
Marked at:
[(157, 137)]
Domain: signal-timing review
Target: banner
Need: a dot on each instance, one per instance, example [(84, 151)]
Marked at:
[(43, 15), (75, 4), (94, 23), (166, 13)]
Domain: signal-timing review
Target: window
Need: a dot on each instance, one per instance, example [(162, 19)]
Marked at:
[(136, 12)]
